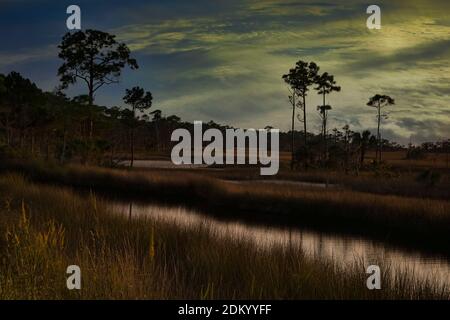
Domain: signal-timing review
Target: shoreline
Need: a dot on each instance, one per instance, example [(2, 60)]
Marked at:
[(371, 216)]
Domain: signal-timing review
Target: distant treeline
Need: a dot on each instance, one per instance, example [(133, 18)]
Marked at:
[(51, 125)]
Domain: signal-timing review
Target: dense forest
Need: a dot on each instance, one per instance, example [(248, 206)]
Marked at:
[(53, 126)]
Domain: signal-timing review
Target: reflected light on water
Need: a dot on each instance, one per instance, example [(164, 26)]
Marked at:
[(340, 249)]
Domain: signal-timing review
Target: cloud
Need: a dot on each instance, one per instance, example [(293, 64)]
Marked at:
[(427, 53), (223, 60), (9, 58)]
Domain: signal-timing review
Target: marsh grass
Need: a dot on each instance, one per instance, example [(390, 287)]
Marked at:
[(44, 229), (416, 223)]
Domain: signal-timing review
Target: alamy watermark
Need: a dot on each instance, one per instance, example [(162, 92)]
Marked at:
[(231, 151), (73, 22), (374, 20), (74, 280), (374, 280)]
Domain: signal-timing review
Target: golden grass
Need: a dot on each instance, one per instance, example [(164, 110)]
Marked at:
[(419, 223), (44, 229)]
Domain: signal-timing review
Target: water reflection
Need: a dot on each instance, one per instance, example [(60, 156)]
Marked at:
[(344, 250)]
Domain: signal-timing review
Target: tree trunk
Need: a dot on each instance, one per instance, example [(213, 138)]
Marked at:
[(8, 131), (325, 137), (91, 98), (157, 135), (292, 130), (132, 147), (132, 138), (447, 157), (63, 151), (90, 142), (91, 120), (21, 137), (32, 142), (324, 131), (111, 157), (47, 150), (304, 132), (363, 153), (130, 210), (378, 153)]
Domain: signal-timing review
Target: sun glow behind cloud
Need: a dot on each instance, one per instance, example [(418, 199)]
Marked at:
[(224, 60)]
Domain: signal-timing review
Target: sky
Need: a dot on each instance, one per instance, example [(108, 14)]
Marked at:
[(223, 60)]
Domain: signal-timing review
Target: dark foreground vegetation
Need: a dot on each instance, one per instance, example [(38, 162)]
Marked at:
[(44, 229), (419, 223)]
